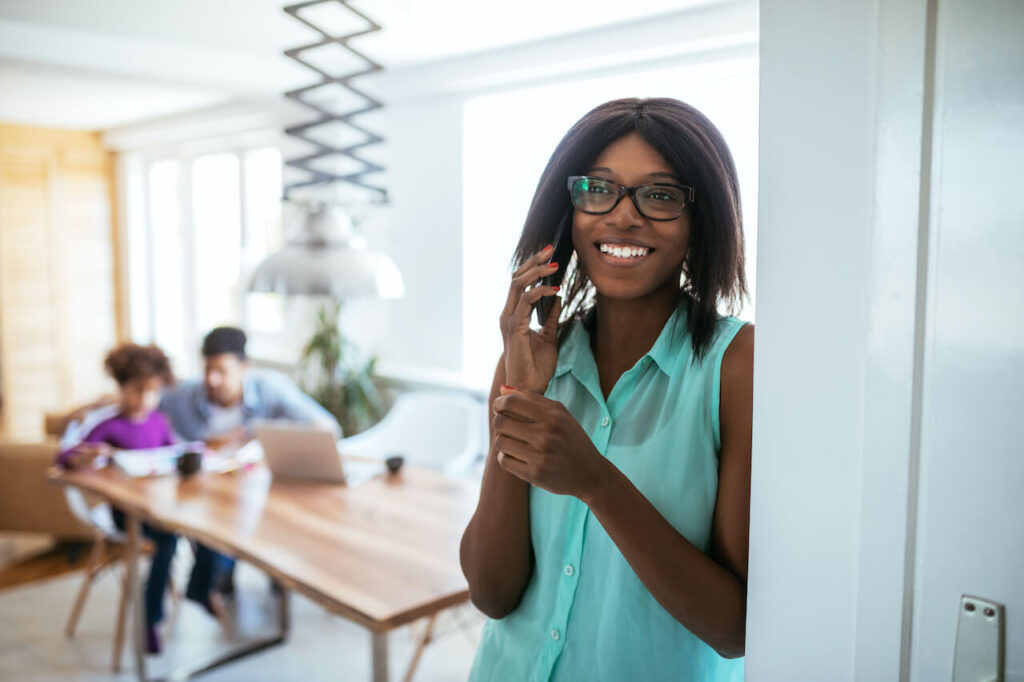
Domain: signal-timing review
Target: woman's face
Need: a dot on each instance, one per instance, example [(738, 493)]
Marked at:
[(140, 396), (631, 161)]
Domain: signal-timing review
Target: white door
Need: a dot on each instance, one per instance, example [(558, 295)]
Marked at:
[(888, 475), (970, 512)]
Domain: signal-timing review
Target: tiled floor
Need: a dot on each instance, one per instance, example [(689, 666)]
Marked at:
[(320, 646)]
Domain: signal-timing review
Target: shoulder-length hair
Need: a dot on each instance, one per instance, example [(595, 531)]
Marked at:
[(713, 270)]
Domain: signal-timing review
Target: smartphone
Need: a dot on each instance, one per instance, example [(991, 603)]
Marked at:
[(561, 255)]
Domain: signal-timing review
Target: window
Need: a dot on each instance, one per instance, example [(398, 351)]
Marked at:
[(511, 135), (208, 221)]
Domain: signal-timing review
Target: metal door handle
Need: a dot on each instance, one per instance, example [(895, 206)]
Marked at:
[(979, 641)]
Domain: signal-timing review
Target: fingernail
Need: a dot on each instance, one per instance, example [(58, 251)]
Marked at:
[(557, 288), (506, 389), (553, 264), (549, 247)]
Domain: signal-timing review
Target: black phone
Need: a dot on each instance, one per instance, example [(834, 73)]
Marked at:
[(561, 255)]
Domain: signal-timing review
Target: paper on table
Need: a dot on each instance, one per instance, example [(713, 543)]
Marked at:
[(217, 462), (153, 461)]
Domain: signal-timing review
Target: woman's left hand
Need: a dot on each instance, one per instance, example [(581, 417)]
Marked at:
[(540, 442)]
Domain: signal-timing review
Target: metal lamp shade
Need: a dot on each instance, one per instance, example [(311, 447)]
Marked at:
[(327, 259), (302, 270)]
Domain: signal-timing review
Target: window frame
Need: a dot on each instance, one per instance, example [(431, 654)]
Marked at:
[(139, 163)]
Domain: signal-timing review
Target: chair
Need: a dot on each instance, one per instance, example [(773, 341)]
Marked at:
[(442, 430), (105, 533)]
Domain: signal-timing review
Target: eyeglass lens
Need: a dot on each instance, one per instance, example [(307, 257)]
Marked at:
[(659, 202)]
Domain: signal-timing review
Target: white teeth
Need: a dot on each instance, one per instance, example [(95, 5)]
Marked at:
[(624, 251)]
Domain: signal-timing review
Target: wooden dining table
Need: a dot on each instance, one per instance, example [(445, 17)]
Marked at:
[(382, 554)]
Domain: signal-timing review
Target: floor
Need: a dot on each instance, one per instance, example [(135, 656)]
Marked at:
[(49, 561), (320, 646)]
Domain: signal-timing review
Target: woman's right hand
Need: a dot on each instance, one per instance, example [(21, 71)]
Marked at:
[(530, 356)]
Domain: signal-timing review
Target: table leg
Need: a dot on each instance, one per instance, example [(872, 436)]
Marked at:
[(284, 612), (422, 642), (135, 595), (284, 622), (380, 656)]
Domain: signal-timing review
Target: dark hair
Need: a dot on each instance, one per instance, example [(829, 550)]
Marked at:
[(713, 271), (225, 340), (130, 361)]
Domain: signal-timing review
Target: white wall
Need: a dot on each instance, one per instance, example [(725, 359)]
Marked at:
[(817, 142), (422, 231)]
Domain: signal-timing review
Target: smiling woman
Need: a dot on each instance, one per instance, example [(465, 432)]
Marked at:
[(725, 91), (610, 538)]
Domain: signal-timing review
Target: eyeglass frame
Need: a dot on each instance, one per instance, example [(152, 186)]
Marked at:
[(631, 191)]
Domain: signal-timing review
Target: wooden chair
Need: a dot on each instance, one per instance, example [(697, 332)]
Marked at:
[(106, 535)]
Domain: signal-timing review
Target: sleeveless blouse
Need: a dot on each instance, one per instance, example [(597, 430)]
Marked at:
[(584, 614)]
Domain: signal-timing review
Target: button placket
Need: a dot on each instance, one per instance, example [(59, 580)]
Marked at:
[(566, 591)]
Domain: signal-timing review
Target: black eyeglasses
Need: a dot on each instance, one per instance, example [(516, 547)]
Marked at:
[(657, 201)]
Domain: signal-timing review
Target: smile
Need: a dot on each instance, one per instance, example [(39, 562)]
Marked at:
[(623, 251)]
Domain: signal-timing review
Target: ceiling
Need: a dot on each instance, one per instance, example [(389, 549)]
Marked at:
[(108, 63)]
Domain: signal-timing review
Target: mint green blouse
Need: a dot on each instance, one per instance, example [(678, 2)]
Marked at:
[(584, 614)]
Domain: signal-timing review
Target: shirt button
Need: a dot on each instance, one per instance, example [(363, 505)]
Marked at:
[(556, 635), (606, 421), (568, 569)]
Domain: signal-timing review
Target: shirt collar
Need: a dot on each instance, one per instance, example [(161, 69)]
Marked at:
[(576, 343), (666, 347), (250, 397)]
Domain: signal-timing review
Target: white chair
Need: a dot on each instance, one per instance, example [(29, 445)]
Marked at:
[(98, 516), (443, 430)]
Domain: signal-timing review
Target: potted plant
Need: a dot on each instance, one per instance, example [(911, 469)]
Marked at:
[(338, 375)]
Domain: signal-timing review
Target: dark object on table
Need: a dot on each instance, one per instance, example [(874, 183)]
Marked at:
[(189, 463), (394, 463)]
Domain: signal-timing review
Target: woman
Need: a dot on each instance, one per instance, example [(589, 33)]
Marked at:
[(610, 539)]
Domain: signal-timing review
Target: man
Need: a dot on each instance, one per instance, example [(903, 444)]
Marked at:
[(219, 410), (221, 407)]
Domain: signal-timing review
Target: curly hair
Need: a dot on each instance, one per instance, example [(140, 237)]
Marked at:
[(713, 271), (130, 361)]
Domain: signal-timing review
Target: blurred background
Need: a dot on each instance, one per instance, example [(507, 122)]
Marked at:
[(143, 156)]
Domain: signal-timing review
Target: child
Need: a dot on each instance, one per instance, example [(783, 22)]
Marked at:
[(141, 372)]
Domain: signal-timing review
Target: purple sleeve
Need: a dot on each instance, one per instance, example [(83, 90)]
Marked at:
[(99, 434), (167, 435)]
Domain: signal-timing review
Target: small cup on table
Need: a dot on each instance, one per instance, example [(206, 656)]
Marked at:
[(189, 463), (394, 464)]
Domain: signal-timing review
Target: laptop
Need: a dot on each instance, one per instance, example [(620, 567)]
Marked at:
[(299, 451)]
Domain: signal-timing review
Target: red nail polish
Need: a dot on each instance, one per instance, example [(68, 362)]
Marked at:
[(553, 265), (557, 288), (549, 247), (507, 387)]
